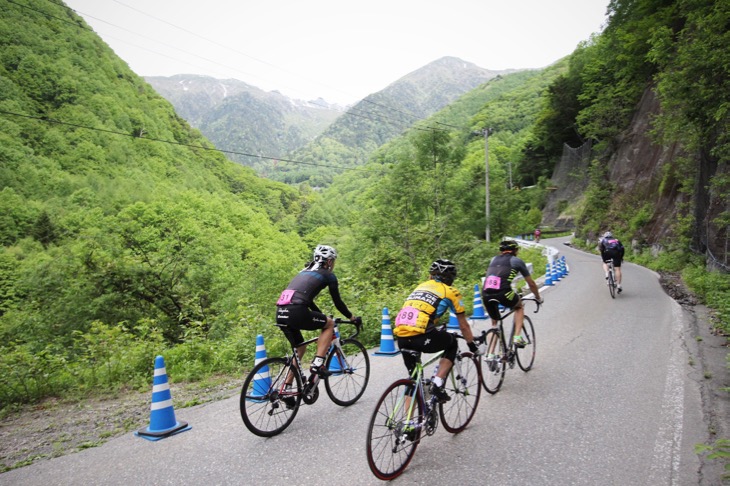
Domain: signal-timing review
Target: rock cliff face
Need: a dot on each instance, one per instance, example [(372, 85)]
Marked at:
[(647, 196)]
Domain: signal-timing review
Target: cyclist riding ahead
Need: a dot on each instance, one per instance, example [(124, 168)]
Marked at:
[(503, 269), (297, 310), (612, 249), (415, 324)]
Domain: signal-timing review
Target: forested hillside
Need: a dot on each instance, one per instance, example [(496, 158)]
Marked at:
[(124, 232), (253, 127)]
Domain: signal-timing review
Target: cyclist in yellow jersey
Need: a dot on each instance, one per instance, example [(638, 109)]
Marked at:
[(416, 323)]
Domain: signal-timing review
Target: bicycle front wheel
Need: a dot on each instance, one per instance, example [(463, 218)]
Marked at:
[(526, 355), (464, 386), (350, 372), (393, 436), (268, 406), (493, 368)]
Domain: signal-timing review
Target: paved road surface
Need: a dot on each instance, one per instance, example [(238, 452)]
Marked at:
[(612, 400)]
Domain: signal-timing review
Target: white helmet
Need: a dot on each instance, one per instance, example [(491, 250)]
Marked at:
[(608, 234), (323, 253)]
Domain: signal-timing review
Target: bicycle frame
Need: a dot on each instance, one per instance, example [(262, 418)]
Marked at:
[(417, 377), (274, 389), (336, 340)]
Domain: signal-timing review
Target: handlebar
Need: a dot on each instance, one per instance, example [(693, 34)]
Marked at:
[(537, 309), (357, 324)]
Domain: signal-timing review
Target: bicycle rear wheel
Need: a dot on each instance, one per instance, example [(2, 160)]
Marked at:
[(493, 369), (350, 372), (611, 284), (392, 438), (464, 386), (526, 355), (267, 406)]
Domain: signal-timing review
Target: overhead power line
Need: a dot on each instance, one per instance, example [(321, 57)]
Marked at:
[(141, 134)]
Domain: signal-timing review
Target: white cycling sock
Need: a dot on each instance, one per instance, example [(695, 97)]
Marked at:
[(438, 381)]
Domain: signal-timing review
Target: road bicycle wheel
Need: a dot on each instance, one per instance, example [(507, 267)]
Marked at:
[(526, 355), (392, 438), (267, 405), (350, 372), (493, 369), (611, 284), (464, 386)]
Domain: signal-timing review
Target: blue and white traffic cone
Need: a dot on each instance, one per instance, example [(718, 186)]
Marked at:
[(548, 276), (453, 324), (335, 366), (262, 380), (162, 414), (565, 264), (387, 345), (555, 273), (478, 310)]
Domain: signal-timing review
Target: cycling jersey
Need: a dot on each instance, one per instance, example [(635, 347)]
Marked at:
[(429, 301), (307, 284), (611, 249), (503, 269)]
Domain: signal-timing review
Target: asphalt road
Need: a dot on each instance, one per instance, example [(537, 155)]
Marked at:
[(612, 400)]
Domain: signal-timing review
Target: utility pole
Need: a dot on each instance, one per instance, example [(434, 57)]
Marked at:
[(486, 133)]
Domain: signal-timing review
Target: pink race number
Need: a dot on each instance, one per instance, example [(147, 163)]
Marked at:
[(285, 297), (407, 316), (492, 282)]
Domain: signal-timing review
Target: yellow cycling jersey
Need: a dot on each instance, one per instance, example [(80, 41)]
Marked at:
[(424, 306)]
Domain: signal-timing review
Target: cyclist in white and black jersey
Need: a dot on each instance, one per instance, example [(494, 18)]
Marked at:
[(297, 310)]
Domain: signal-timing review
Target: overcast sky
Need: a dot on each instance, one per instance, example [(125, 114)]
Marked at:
[(339, 50)]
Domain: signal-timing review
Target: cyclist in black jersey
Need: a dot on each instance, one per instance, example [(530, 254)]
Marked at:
[(503, 269), (611, 248), (296, 308)]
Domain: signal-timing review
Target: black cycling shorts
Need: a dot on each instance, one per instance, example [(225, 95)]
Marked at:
[(430, 342), (508, 298), (612, 255), (297, 317)]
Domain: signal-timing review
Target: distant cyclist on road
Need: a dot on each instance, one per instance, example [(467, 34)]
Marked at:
[(416, 323), (538, 233), (503, 269), (297, 310), (612, 249)]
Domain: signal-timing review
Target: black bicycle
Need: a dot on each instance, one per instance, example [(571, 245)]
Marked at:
[(502, 352), (407, 409), (275, 387), (611, 279)]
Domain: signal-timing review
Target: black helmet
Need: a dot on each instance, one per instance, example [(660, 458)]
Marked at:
[(444, 269), (509, 245)]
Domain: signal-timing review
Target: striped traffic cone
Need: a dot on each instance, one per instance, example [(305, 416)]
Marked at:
[(387, 345), (162, 413), (555, 273), (565, 266), (548, 277), (262, 380), (478, 311), (335, 366), (453, 324)]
